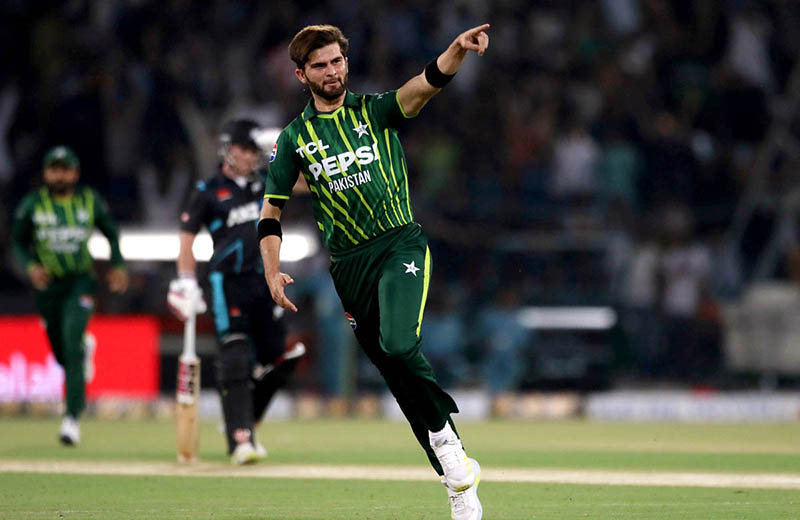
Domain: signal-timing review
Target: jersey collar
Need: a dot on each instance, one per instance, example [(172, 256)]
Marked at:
[(350, 100)]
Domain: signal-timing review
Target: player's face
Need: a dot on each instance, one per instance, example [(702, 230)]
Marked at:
[(325, 72), (60, 179), (242, 160)]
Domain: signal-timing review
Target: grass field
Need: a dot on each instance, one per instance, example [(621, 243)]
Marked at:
[(375, 470)]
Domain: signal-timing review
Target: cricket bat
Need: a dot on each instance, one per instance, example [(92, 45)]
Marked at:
[(188, 390)]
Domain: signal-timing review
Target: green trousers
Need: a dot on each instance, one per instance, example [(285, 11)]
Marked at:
[(66, 305), (383, 285)]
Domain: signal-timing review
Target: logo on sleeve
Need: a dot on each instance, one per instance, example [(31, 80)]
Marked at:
[(274, 152), (351, 320)]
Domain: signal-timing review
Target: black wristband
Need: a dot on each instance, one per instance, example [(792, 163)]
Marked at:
[(267, 227), (436, 77)]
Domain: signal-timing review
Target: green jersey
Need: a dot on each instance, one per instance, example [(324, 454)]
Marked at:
[(354, 165), (54, 231)]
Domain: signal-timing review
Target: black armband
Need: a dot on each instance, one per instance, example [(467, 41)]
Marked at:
[(267, 227), (436, 77), (278, 203)]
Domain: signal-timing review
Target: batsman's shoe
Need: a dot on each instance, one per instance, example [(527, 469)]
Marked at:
[(282, 362), (464, 505), (70, 433), (244, 453), (458, 469)]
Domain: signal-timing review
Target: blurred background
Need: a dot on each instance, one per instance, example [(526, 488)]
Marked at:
[(611, 192)]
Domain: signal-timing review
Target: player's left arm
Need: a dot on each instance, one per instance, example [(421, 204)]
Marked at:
[(21, 242), (22, 234), (418, 90), (118, 274)]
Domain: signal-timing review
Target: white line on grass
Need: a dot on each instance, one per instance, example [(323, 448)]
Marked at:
[(207, 469)]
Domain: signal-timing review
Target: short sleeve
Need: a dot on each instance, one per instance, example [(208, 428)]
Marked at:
[(283, 169), (386, 110), (194, 214)]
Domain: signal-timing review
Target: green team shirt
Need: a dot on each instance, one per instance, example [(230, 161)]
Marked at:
[(55, 231), (354, 165)]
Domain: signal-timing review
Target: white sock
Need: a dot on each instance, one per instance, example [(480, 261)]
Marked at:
[(439, 438)]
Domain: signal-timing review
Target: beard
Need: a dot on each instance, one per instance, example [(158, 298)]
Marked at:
[(60, 187), (333, 92)]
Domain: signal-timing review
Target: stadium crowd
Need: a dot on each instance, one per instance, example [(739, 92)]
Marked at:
[(594, 156)]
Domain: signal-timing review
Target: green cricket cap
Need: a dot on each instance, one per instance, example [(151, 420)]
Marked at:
[(61, 154)]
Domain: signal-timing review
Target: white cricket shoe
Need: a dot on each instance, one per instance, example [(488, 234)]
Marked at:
[(464, 505), (244, 453), (459, 472), (70, 433)]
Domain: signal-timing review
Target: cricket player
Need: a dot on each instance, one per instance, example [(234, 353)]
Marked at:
[(51, 228), (347, 148), (252, 363)]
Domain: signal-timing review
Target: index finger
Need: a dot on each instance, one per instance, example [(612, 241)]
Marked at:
[(478, 29)]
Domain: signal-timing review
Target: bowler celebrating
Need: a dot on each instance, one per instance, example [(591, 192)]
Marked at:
[(347, 148)]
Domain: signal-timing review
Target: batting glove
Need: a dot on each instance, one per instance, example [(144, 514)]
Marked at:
[(185, 298)]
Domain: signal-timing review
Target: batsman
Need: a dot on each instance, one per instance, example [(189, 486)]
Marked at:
[(252, 362), (347, 148), (50, 232)]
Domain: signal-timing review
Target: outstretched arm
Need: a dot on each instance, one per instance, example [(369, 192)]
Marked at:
[(417, 91)]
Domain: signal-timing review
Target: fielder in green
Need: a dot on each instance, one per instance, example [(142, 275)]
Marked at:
[(51, 228), (347, 149)]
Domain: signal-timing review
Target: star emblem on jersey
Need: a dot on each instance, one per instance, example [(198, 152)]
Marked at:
[(362, 129), (411, 268)]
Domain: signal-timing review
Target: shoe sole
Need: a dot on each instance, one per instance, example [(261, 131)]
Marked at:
[(298, 350), (247, 461), (473, 463)]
